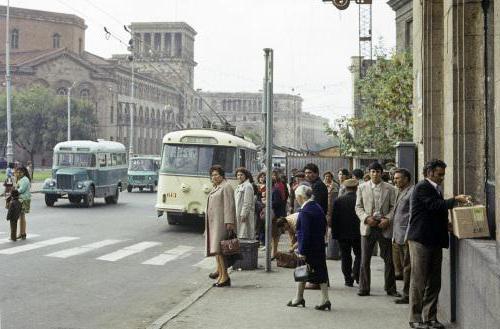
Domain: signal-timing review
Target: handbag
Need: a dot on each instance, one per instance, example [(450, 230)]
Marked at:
[(302, 273), (287, 260), (231, 245)]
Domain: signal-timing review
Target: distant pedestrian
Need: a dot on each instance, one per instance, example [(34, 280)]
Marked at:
[(402, 180), (358, 174), (311, 229), (320, 192), (15, 208), (10, 179), (244, 197), (219, 221), (299, 179), (375, 207), (427, 235), (259, 208), (343, 174), (23, 187), (332, 191), (278, 205), (29, 166), (345, 229)]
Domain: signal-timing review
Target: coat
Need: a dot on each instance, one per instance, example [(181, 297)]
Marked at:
[(320, 194), (345, 222), (429, 216), (401, 215), (365, 203), (220, 211), (14, 209), (244, 198)]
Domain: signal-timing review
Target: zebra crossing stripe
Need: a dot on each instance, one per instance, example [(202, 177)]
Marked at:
[(128, 251), (82, 249), (7, 240), (207, 263), (169, 255), (37, 245)]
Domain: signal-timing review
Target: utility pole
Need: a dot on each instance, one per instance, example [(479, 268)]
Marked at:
[(69, 110), (268, 92), (9, 152), (132, 102)]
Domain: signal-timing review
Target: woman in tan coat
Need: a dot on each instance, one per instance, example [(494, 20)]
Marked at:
[(220, 218)]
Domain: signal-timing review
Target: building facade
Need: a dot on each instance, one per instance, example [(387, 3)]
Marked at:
[(456, 56)]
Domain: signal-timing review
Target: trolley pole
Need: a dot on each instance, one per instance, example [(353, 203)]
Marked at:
[(9, 151), (268, 92)]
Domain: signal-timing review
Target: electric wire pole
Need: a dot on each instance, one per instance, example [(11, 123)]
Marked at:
[(268, 94), (9, 151)]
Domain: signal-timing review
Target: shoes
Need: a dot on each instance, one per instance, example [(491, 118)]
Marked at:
[(363, 293), (394, 294), (399, 277), (312, 286), (434, 324), (418, 325), (22, 236), (213, 275), (226, 283), (349, 284), (13, 240), (300, 302), (323, 307), (402, 300)]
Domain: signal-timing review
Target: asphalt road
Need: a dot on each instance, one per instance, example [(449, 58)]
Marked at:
[(111, 266)]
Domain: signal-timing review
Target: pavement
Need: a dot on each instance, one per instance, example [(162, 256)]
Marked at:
[(35, 188), (258, 299)]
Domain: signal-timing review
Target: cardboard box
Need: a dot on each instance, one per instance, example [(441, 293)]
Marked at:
[(470, 222)]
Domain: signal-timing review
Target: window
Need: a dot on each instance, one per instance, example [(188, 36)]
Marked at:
[(80, 46), (102, 160), (157, 42), (108, 159), (168, 44), (242, 158), (178, 44), (85, 94), (14, 39), (62, 91), (409, 34), (197, 160), (56, 40), (75, 160)]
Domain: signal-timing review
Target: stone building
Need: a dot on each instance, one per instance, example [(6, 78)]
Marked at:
[(456, 56), (292, 127)]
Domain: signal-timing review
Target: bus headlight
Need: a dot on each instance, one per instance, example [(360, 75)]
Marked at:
[(185, 188), (79, 185), (206, 189), (52, 184)]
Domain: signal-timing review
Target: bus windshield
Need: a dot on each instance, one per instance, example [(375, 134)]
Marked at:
[(75, 160), (196, 159), (142, 165)]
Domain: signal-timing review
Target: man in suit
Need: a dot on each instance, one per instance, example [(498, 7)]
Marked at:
[(345, 229), (375, 207), (427, 235), (402, 180)]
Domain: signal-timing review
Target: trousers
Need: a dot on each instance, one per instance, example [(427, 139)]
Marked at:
[(351, 273)]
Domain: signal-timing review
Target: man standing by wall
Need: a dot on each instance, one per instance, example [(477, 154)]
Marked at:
[(427, 236), (402, 180), (375, 207)]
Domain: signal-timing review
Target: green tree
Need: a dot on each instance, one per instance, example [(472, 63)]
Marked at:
[(39, 120), (386, 94)]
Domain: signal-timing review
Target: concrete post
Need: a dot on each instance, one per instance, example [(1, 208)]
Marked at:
[(497, 124)]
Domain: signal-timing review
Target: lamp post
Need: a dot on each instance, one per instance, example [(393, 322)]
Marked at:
[(69, 110), (9, 152)]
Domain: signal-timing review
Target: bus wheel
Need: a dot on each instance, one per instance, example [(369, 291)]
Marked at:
[(140, 189), (50, 200), (88, 200), (113, 199), (129, 188)]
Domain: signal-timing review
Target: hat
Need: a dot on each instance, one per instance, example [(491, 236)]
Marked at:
[(350, 182)]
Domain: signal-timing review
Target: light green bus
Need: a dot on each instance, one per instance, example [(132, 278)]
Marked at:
[(84, 170), (143, 172)]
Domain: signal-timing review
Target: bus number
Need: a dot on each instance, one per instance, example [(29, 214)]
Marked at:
[(171, 195)]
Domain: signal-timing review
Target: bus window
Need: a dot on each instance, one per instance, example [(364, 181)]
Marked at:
[(191, 159), (242, 158), (102, 160), (108, 159), (75, 160), (114, 159)]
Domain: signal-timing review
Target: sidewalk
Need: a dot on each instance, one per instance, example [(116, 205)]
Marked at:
[(257, 299), (35, 188)]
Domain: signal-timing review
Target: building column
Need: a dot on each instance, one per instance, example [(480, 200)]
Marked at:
[(497, 122)]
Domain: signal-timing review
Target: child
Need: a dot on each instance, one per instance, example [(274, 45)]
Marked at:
[(14, 213)]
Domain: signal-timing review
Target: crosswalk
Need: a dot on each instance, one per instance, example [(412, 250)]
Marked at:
[(108, 250)]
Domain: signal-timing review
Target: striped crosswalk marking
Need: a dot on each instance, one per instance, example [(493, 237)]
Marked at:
[(127, 251), (28, 236), (83, 249), (37, 245), (169, 255), (207, 263)]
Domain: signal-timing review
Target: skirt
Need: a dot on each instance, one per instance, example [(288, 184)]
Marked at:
[(25, 206), (319, 271)]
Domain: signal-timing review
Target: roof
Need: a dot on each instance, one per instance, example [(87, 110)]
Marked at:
[(99, 146), (24, 57), (222, 137), (42, 15)]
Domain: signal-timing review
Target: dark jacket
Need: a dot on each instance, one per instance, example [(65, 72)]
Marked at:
[(345, 222), (320, 193), (277, 203), (311, 229), (14, 209), (429, 216)]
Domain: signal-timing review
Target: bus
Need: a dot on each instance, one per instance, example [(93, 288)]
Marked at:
[(143, 172), (84, 170), (184, 180)]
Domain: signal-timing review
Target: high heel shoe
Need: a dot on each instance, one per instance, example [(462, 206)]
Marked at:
[(226, 283), (23, 236), (323, 307), (300, 302), (213, 275)]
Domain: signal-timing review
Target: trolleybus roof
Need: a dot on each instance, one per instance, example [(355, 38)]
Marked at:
[(206, 136), (89, 146)]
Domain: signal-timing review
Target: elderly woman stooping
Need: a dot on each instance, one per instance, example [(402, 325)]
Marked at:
[(244, 197), (219, 219), (311, 228)]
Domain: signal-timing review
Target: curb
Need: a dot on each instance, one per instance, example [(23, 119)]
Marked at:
[(179, 308)]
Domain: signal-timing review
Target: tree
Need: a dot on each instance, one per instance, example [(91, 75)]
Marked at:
[(39, 120), (386, 94)]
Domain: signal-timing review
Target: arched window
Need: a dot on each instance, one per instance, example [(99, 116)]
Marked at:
[(62, 91), (56, 40), (14, 39), (85, 94)]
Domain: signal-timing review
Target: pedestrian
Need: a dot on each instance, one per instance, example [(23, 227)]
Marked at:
[(332, 191), (358, 174), (343, 174), (402, 179), (260, 225), (332, 251), (289, 224), (345, 229), (366, 177), (10, 179), (278, 205), (374, 207), (15, 208), (244, 197), (311, 229), (219, 221), (299, 180), (29, 166), (320, 192), (427, 236), (23, 187)]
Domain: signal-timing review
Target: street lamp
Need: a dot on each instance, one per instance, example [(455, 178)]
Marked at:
[(69, 110), (9, 152)]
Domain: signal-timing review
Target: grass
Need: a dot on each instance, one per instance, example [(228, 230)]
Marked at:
[(41, 175)]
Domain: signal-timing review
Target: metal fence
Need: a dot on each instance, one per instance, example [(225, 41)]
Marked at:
[(324, 163)]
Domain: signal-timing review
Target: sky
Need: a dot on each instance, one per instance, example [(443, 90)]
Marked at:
[(312, 41)]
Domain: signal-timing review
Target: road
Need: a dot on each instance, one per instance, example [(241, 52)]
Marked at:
[(111, 266)]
